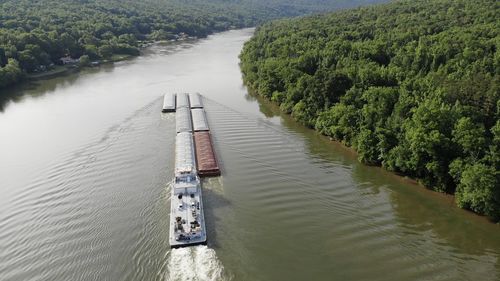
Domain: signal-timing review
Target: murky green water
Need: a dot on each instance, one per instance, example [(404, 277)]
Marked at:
[(85, 161)]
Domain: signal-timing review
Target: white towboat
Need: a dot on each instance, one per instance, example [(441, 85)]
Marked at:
[(187, 221)]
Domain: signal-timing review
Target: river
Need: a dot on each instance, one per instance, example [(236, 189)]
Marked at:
[(86, 160)]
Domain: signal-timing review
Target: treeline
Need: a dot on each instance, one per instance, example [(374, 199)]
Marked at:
[(413, 86), (35, 34)]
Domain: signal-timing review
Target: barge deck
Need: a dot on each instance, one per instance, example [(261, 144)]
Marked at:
[(205, 156)]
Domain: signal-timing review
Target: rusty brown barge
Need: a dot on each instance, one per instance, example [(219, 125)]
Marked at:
[(206, 160)]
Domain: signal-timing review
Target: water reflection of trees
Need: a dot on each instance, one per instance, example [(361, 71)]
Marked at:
[(43, 86), (268, 109), (422, 210)]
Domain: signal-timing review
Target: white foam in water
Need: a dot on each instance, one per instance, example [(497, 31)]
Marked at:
[(198, 263)]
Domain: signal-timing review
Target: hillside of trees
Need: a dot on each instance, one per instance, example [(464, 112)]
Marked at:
[(35, 34), (413, 86)]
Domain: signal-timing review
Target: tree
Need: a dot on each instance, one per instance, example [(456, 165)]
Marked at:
[(3, 58), (470, 137), (367, 147), (84, 60), (37, 33), (27, 60), (105, 51), (479, 190), (91, 51), (10, 73)]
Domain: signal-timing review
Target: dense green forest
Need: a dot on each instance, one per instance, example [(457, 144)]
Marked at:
[(35, 34), (411, 85)]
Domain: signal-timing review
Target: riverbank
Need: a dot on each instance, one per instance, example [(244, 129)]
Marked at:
[(64, 69), (273, 109), (418, 115), (11, 92), (58, 70)]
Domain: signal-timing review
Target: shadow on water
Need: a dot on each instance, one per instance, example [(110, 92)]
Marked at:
[(39, 87), (213, 199), (421, 210), (267, 108), (164, 48), (17, 92), (417, 210)]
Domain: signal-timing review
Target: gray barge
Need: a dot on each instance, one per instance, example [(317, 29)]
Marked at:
[(200, 122), (183, 120), (195, 100), (168, 103), (182, 100)]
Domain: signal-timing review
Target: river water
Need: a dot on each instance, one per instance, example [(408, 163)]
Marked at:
[(86, 160)]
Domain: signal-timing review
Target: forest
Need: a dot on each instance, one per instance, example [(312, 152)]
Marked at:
[(412, 86), (36, 34)]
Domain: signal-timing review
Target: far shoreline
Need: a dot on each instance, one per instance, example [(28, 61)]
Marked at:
[(60, 70)]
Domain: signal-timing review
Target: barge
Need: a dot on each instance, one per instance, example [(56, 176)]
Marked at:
[(205, 157), (182, 100), (168, 103), (195, 100), (200, 122), (183, 120), (194, 157)]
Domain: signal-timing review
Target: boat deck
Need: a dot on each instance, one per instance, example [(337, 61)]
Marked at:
[(187, 222)]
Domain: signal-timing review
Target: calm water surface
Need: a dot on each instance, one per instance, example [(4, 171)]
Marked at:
[(85, 162)]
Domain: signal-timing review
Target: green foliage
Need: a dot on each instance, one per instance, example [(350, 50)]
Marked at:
[(84, 60), (478, 190), (91, 51), (38, 33), (3, 58), (411, 85), (105, 51), (470, 137), (340, 122), (493, 156), (367, 147), (10, 73)]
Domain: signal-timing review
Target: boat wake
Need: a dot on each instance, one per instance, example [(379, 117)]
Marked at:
[(198, 263)]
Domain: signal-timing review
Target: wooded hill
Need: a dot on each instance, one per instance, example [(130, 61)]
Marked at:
[(34, 34), (411, 85)]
